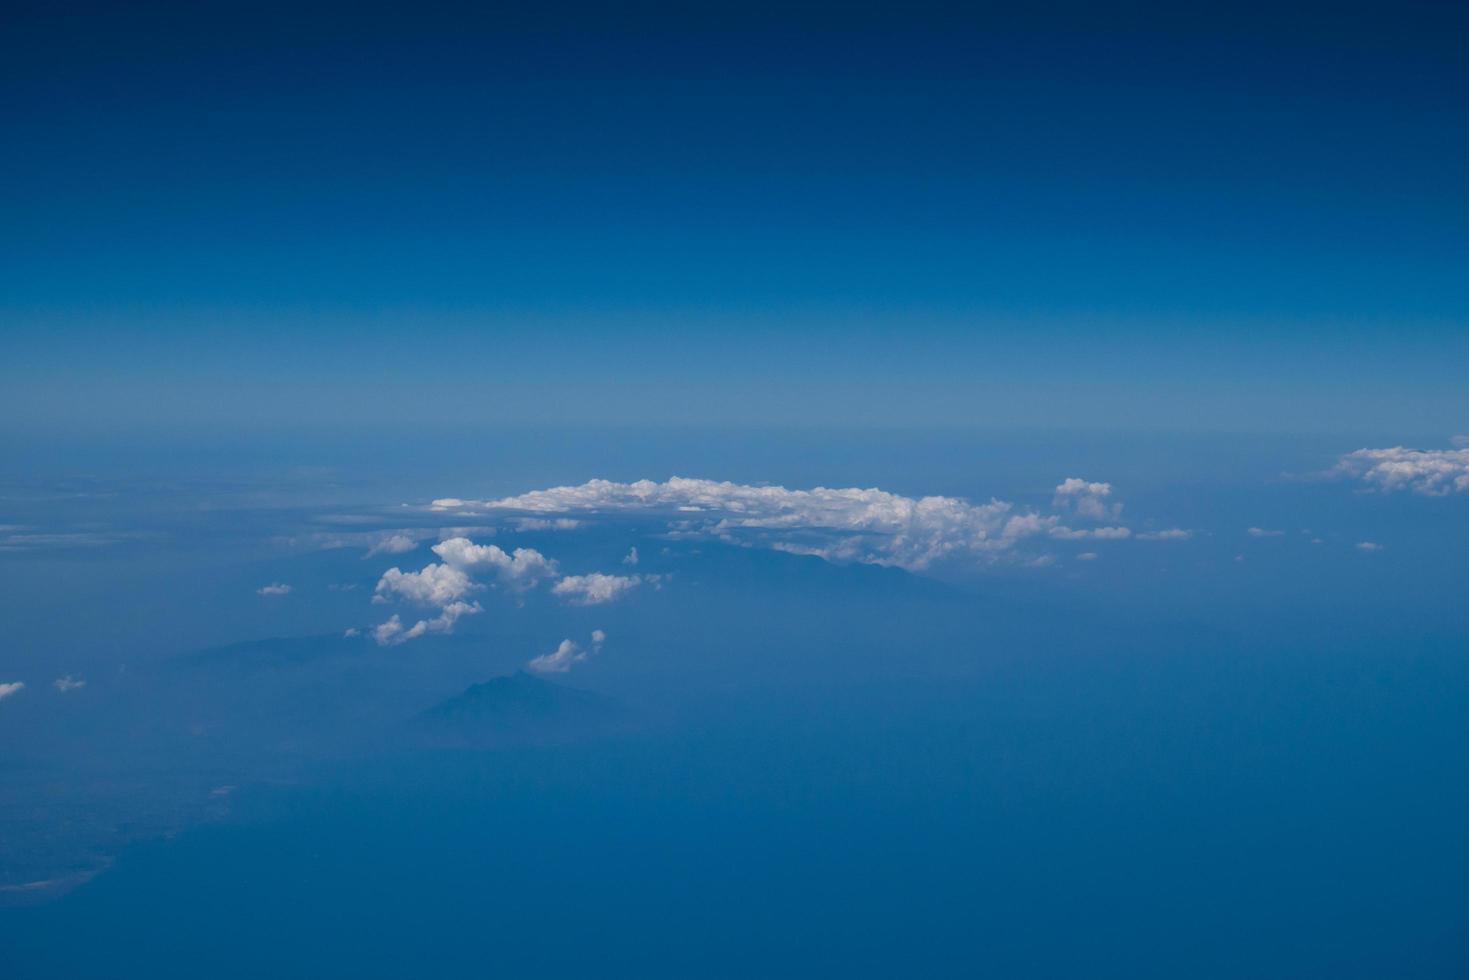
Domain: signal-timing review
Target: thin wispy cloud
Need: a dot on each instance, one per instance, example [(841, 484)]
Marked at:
[(567, 654), (596, 588), (11, 689), (68, 683), (274, 589)]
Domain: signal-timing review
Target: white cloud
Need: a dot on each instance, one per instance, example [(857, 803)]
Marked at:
[(1087, 556), (1433, 472), (841, 525), (68, 683), (1099, 533), (1168, 534), (1086, 499), (632, 557), (518, 570), (596, 588), (567, 655), (448, 585), (1368, 546), (274, 588), (395, 544), (1260, 532), (7, 690), (542, 524), (436, 585), (394, 632)]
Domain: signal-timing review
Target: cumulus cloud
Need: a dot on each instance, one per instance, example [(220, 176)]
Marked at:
[(596, 588), (518, 570), (567, 655), (632, 557), (1168, 534), (13, 688), (393, 544), (68, 683), (1432, 472), (1368, 546), (1260, 532), (274, 588), (449, 584), (1086, 499), (436, 585)]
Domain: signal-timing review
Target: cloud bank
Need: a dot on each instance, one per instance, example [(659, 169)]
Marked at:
[(1432, 472), (868, 526)]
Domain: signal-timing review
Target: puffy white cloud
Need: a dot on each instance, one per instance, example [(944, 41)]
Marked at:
[(68, 683), (393, 544), (1168, 534), (518, 570), (448, 584), (1434, 472), (435, 585), (567, 655), (1085, 499), (274, 588), (596, 588), (632, 557), (13, 688), (1260, 532), (1368, 546)]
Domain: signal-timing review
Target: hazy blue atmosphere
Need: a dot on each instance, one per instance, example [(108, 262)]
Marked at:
[(669, 491)]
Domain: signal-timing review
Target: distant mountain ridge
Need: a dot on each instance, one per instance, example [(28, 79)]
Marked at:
[(520, 707)]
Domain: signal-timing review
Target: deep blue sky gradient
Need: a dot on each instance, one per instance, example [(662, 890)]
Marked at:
[(1235, 218)]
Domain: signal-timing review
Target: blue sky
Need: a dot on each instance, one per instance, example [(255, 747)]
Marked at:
[(1048, 218)]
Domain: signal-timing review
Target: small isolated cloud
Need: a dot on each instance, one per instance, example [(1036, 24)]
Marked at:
[(1085, 499), (1260, 532), (350, 632), (632, 557), (1431, 472), (1368, 546), (394, 632), (1087, 556), (567, 655), (1168, 534), (274, 588), (543, 524), (68, 683), (1098, 533), (13, 688), (394, 544), (596, 588)]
